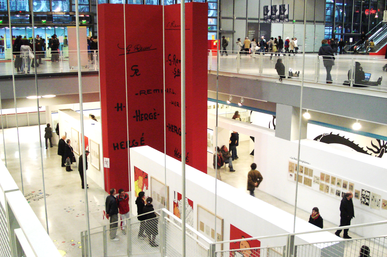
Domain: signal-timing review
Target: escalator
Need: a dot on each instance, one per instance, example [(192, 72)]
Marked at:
[(378, 34)]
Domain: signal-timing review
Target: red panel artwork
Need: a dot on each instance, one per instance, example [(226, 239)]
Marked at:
[(236, 233), (132, 104)]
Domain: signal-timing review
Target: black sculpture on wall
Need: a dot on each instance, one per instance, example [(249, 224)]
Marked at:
[(376, 150)]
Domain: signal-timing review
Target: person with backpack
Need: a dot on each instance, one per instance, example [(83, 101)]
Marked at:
[(218, 162), (224, 46), (227, 157)]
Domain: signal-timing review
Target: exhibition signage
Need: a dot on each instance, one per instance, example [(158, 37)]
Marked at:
[(132, 110)]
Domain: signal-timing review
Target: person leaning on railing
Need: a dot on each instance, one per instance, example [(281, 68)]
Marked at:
[(151, 226), (140, 202)]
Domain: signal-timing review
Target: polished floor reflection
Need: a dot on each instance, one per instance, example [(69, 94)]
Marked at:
[(264, 65), (47, 67), (66, 199)]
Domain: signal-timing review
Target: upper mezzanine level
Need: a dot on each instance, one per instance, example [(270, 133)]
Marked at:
[(252, 77)]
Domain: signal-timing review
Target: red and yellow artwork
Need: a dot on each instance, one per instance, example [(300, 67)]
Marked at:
[(236, 233), (141, 181)]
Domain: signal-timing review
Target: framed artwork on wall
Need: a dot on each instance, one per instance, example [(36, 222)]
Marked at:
[(141, 181), (160, 194), (365, 197), (94, 154), (75, 140), (206, 224)]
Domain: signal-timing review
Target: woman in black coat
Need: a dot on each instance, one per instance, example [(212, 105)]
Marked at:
[(151, 228), (140, 202), (280, 68), (315, 218), (326, 52)]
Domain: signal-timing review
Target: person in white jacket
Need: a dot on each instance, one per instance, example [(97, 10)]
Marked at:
[(25, 53), (253, 47), (295, 45)]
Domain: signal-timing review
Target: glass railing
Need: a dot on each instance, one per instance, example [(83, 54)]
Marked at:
[(21, 233), (160, 236), (345, 70), (49, 62)]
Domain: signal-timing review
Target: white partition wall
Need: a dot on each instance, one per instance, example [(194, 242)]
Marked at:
[(272, 156), (69, 122), (72, 41), (234, 207)]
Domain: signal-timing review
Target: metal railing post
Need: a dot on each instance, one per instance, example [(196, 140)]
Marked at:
[(352, 74), (261, 56), (238, 62), (128, 230), (317, 71), (95, 59), (83, 244), (211, 250), (210, 60), (163, 235), (104, 235), (290, 246)]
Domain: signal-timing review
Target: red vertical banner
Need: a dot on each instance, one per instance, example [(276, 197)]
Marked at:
[(132, 98), (138, 106), (196, 83)]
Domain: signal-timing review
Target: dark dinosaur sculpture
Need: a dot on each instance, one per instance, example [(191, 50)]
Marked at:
[(331, 138)]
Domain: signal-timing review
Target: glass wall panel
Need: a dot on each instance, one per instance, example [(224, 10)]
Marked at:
[(117, 1), (103, 1), (2, 43), (60, 5), (41, 5), (81, 8), (135, 2), (152, 2), (19, 5), (3, 6)]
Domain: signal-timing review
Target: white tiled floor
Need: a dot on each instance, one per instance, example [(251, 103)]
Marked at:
[(66, 199)]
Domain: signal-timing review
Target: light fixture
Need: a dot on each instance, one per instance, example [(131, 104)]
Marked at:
[(241, 102), (49, 96), (356, 125), (306, 115), (229, 100), (376, 15), (32, 97)]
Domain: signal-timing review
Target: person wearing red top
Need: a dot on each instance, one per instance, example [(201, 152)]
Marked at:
[(123, 206)]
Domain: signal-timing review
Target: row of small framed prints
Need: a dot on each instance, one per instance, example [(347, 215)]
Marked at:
[(336, 187)]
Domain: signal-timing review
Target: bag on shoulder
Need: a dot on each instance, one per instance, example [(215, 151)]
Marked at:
[(219, 160)]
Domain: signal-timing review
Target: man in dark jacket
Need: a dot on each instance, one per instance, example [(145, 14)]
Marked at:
[(111, 208), (140, 202), (80, 168), (254, 178), (329, 60), (224, 46), (54, 45), (346, 213), (227, 157), (280, 45), (233, 143), (61, 149)]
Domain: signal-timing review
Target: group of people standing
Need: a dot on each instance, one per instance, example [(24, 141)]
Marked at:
[(115, 204), (66, 151), (29, 53), (275, 46), (23, 53)]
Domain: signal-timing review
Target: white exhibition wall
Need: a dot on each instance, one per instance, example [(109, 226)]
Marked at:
[(251, 215), (272, 156), (69, 122)]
